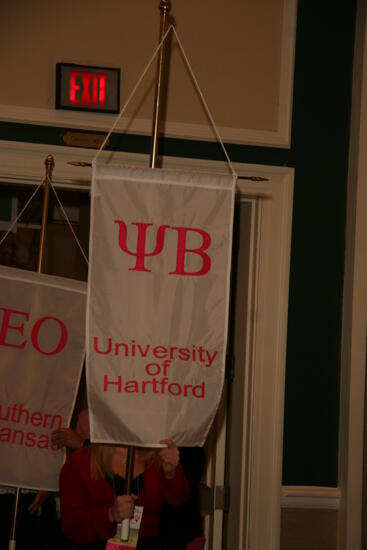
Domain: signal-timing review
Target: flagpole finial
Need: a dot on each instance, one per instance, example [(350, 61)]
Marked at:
[(49, 163), (165, 5)]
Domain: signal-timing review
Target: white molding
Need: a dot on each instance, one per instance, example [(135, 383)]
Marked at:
[(270, 317), (317, 498), (25, 161), (287, 72), (19, 160), (352, 429), (102, 123), (261, 466)]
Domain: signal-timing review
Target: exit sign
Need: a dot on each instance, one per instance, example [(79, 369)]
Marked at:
[(86, 88)]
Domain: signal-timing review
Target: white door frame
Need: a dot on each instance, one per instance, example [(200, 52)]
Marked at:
[(262, 467), (354, 328), (269, 336), (21, 162)]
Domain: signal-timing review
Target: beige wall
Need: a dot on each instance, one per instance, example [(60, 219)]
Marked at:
[(235, 49)]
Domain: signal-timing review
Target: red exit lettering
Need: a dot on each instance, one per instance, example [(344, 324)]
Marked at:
[(87, 88)]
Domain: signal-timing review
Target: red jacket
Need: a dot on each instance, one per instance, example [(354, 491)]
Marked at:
[(85, 502)]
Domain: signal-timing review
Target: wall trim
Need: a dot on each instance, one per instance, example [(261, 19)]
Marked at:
[(103, 123), (286, 73), (21, 160), (318, 498), (352, 429)]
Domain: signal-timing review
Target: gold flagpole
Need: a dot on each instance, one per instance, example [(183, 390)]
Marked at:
[(49, 163), (164, 8), (12, 541)]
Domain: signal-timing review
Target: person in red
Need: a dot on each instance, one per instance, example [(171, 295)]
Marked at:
[(91, 483)]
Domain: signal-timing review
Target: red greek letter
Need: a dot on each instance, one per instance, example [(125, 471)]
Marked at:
[(140, 253), (182, 250)]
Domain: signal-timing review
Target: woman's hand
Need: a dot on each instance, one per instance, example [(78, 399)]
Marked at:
[(36, 506), (67, 437), (122, 508), (170, 458)]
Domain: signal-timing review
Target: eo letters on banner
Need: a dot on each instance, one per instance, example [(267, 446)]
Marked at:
[(157, 308)]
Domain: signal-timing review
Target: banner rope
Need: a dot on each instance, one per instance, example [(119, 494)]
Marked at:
[(200, 93), (69, 224), (21, 213), (131, 95), (62, 210), (207, 110)]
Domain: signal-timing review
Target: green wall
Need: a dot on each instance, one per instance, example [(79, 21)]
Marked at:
[(319, 153), (322, 100)]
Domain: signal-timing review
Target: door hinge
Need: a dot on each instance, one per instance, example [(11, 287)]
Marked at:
[(222, 498)]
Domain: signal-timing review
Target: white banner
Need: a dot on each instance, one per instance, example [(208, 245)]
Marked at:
[(158, 300), (42, 346)]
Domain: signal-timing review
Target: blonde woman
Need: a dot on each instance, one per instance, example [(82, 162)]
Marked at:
[(91, 483)]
